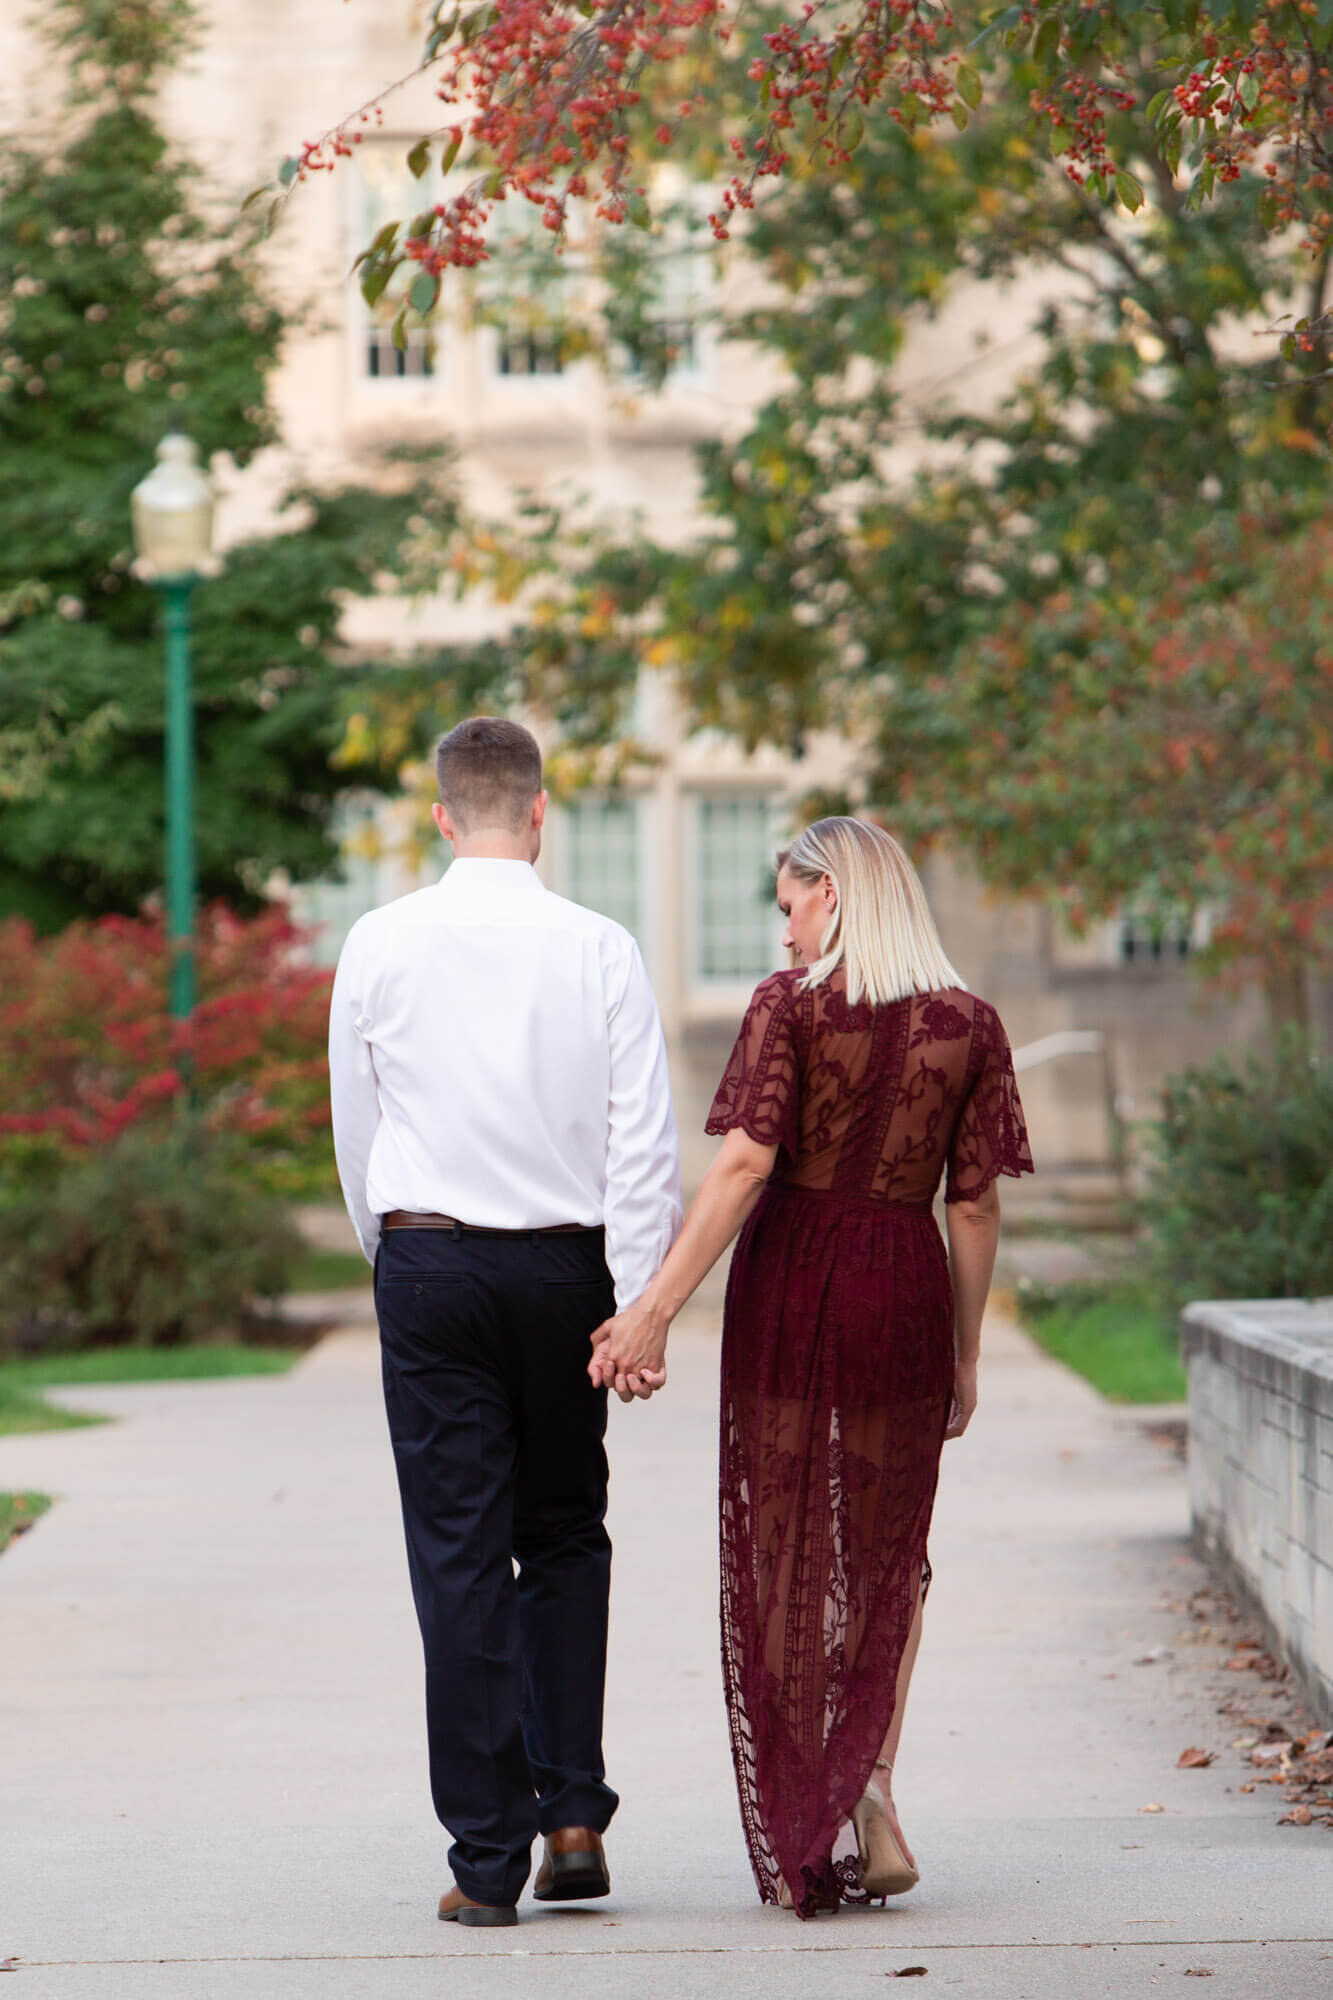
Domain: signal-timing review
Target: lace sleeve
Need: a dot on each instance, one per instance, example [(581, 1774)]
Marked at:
[(760, 1086), (990, 1137)]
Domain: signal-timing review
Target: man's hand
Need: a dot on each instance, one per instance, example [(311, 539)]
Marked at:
[(964, 1398), (629, 1352)]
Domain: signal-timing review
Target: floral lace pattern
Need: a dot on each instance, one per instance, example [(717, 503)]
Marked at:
[(837, 1375), (876, 1101)]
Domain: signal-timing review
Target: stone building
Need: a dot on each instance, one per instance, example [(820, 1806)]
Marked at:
[(681, 856)]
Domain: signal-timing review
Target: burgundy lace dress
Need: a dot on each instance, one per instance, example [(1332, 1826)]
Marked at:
[(837, 1377)]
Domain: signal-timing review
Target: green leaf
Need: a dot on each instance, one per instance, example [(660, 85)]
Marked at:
[(1046, 48), (961, 115), (384, 240), (1062, 138), (1288, 347), (450, 153), (1155, 105), (422, 224), (256, 194), (423, 292), (494, 184), (288, 171), (398, 331), (852, 129), (1248, 91), (1129, 191), (638, 212), (969, 85), (839, 60), (374, 280), (1268, 215), (419, 159)]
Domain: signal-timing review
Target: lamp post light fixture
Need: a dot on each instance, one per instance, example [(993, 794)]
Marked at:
[(172, 511)]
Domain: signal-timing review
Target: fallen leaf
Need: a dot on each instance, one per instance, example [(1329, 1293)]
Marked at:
[(910, 1972), (1194, 1760), (1152, 1808), (1270, 1753), (1152, 1656), (1298, 1816), (1247, 1788), (1198, 1972)]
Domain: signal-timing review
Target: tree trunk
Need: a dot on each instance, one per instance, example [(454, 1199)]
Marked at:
[(1287, 993)]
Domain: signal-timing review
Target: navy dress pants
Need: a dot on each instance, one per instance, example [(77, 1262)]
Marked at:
[(498, 1440)]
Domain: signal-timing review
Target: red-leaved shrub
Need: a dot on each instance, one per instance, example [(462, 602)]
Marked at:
[(88, 1049)]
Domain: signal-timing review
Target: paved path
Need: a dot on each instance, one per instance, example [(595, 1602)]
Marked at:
[(211, 1765)]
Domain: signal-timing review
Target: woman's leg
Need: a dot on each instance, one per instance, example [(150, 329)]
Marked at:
[(888, 1755)]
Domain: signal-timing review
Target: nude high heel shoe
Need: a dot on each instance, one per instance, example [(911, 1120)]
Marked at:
[(885, 1869)]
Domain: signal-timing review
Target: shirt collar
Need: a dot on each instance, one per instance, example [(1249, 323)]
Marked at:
[(483, 878)]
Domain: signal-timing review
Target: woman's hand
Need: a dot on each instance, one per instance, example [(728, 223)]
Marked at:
[(964, 1398), (629, 1352)]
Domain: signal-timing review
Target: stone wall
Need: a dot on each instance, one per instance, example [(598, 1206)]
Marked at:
[(1261, 1465)]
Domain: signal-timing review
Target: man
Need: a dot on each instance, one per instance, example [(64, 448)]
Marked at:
[(503, 1126)]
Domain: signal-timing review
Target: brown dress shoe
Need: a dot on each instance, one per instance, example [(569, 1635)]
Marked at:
[(574, 1868), (456, 1908)]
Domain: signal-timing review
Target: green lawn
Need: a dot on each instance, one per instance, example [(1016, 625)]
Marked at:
[(23, 1408), (329, 1271), (18, 1511), (1119, 1336)]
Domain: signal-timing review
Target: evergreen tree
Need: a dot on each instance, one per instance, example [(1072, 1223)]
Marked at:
[(129, 312)]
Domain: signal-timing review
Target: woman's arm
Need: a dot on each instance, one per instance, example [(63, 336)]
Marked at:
[(629, 1351), (974, 1231)]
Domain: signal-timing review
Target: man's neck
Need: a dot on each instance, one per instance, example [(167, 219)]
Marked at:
[(493, 847)]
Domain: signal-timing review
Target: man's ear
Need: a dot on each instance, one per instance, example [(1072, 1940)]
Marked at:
[(440, 815), (539, 806)]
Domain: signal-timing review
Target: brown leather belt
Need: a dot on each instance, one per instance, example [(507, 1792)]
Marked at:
[(406, 1218)]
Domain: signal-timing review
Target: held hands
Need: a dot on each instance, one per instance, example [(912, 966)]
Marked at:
[(629, 1352), (964, 1398)]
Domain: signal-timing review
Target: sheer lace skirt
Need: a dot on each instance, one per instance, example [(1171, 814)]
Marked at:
[(837, 1373)]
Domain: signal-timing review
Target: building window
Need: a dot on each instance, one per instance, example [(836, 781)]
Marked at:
[(527, 290), (384, 360), (734, 913), (1145, 940), (539, 351), (331, 908), (674, 280), (603, 855), (389, 193)]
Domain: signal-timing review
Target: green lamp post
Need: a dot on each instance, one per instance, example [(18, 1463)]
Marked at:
[(173, 531)]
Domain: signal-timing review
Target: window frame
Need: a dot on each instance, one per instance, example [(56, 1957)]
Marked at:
[(708, 993)]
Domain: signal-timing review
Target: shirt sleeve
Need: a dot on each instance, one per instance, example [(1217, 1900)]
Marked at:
[(354, 1094), (643, 1207), (760, 1087), (990, 1137)]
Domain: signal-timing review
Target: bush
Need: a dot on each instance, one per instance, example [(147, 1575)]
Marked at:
[(88, 1050), (1119, 1334), (155, 1238), (1241, 1195)]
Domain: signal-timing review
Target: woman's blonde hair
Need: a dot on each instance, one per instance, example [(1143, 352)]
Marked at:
[(882, 930)]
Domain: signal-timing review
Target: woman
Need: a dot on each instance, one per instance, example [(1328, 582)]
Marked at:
[(849, 1345)]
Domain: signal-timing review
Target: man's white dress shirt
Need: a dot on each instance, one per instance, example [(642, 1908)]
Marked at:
[(495, 1054)]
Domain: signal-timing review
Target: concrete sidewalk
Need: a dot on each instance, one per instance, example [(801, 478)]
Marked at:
[(213, 1778)]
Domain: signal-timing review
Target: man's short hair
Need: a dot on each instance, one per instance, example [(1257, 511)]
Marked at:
[(489, 772)]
